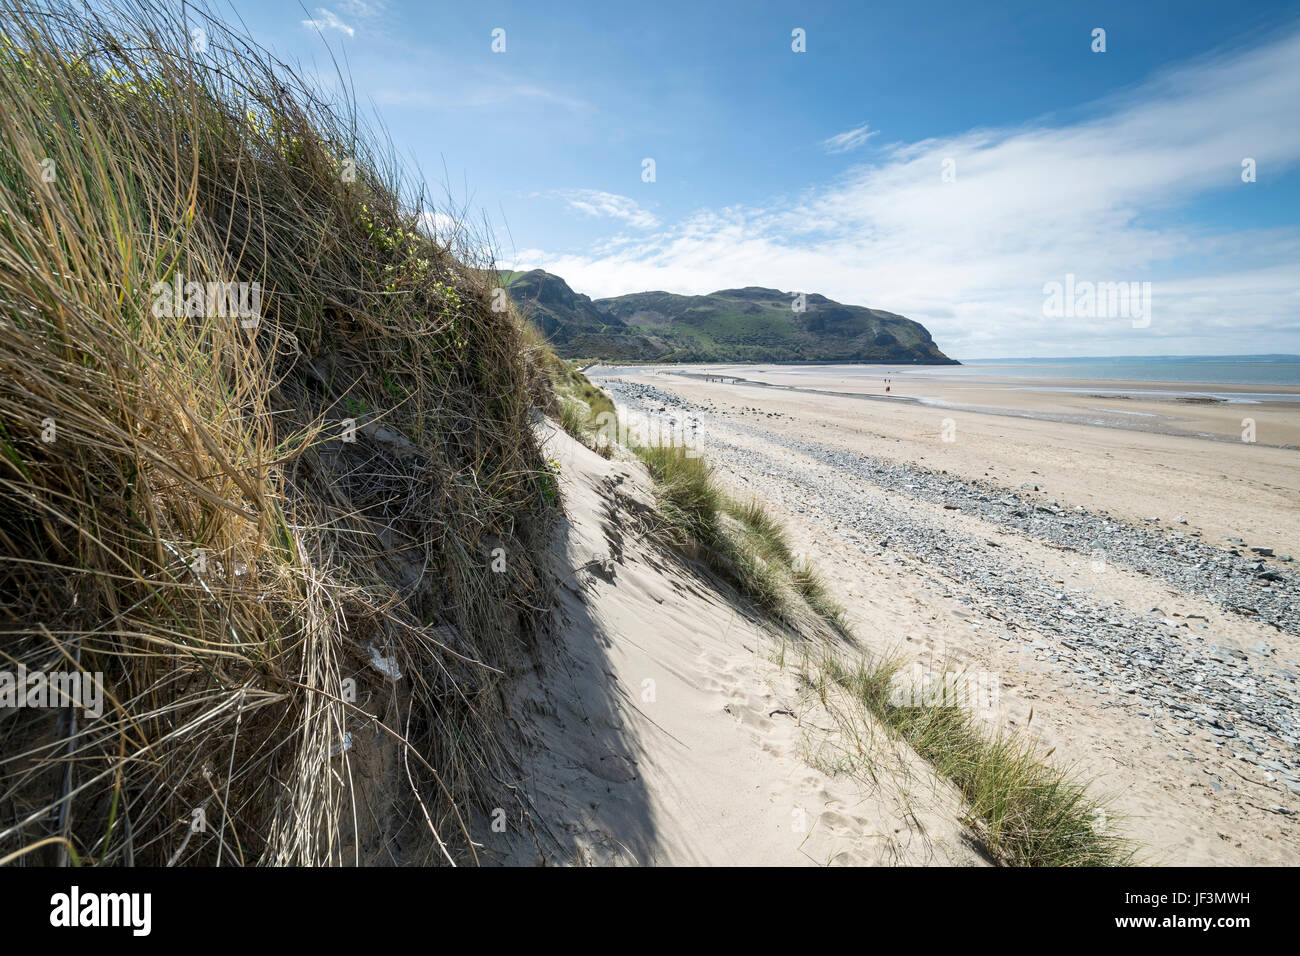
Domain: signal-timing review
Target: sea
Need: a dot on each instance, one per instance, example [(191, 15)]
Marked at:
[(1210, 369), (1236, 379)]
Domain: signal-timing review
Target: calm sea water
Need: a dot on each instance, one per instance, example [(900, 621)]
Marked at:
[(1221, 369)]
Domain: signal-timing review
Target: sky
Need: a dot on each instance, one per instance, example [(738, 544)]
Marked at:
[(944, 161)]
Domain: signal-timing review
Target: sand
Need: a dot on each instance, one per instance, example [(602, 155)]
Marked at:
[(1199, 410), (1222, 487), (661, 729), (666, 725), (1186, 800)]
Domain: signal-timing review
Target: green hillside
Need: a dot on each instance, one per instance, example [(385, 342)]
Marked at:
[(734, 325)]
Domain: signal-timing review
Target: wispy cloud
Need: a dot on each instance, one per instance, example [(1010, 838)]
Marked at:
[(1105, 198), (363, 9), (328, 20), (594, 202), (849, 139), (491, 94)]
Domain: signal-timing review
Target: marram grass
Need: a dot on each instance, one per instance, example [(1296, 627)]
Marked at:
[(230, 516)]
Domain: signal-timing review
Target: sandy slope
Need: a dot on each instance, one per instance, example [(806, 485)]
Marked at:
[(1189, 799), (659, 728)]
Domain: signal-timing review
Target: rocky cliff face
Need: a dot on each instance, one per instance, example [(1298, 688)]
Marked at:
[(574, 325)]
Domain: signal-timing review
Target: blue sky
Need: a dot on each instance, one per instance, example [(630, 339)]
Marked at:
[(821, 171)]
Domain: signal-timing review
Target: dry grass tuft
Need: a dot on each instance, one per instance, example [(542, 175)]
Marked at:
[(1022, 809), (742, 541), (201, 530)]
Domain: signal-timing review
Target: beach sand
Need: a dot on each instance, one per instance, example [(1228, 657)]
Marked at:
[(1219, 789), (1194, 409), (1135, 467)]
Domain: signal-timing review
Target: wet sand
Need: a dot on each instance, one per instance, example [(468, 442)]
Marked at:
[(1206, 410)]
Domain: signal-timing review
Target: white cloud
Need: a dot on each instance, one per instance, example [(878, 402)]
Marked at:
[(1103, 198), (849, 139), (594, 202), (440, 225), (328, 20), (363, 8)]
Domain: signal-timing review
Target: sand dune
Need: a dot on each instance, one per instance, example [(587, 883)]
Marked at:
[(662, 728)]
